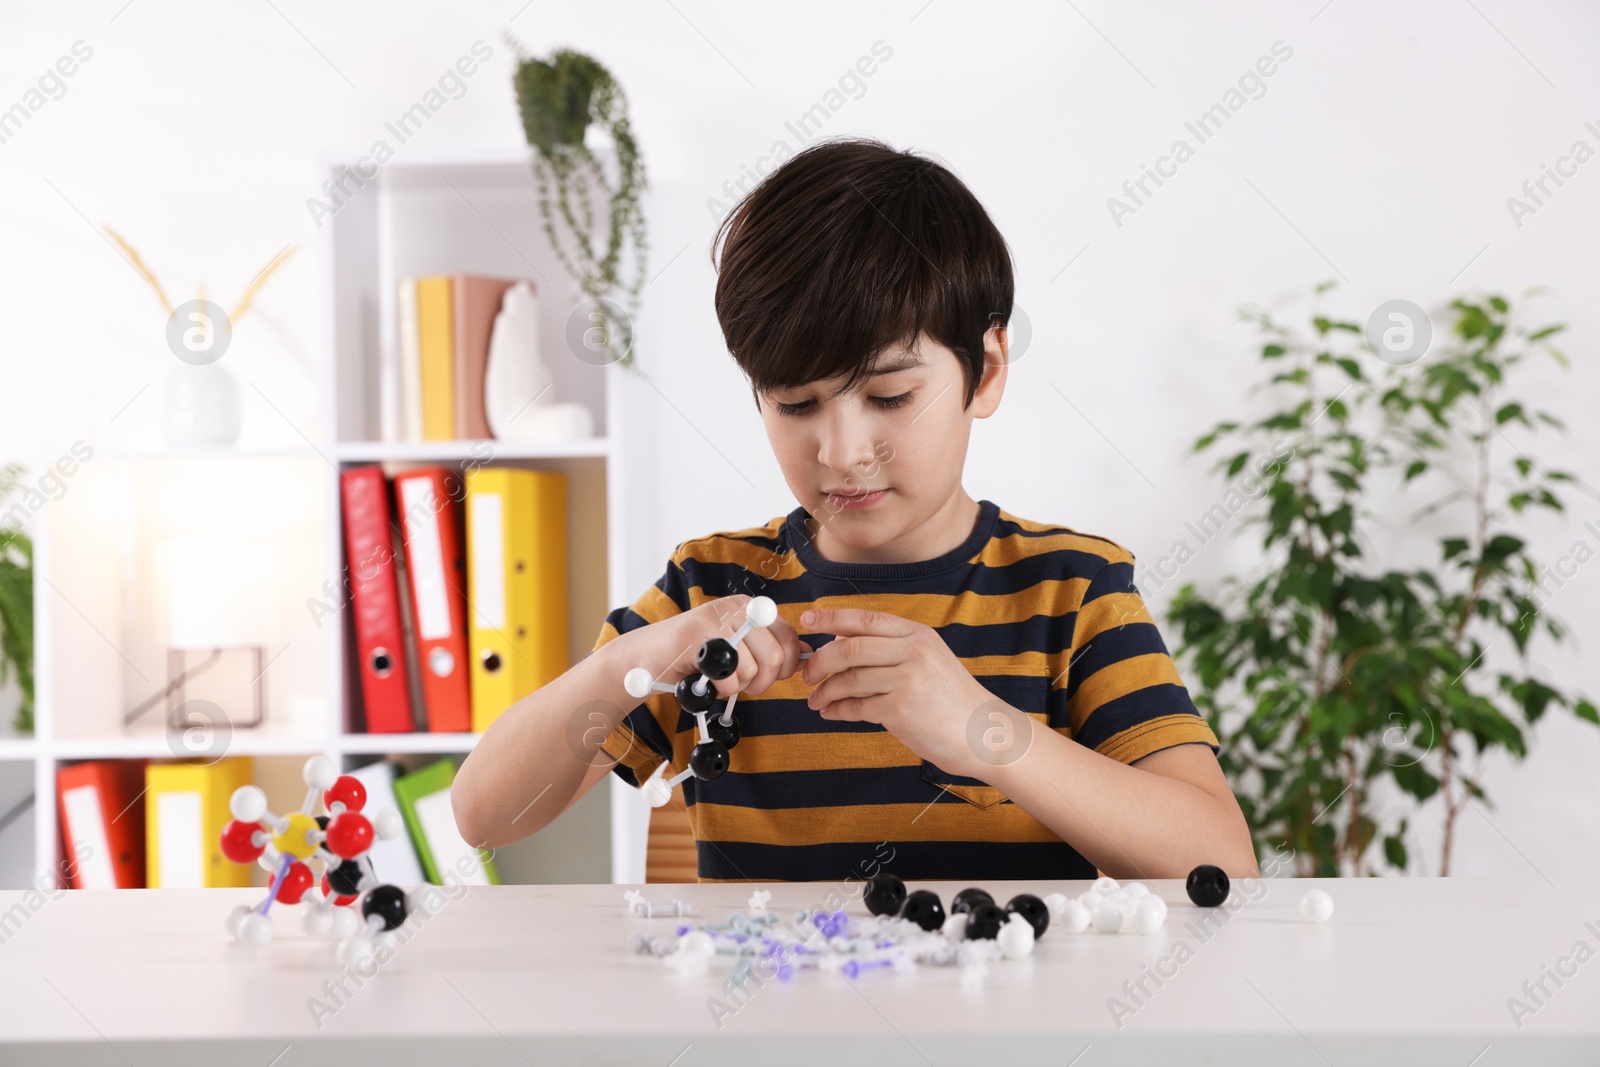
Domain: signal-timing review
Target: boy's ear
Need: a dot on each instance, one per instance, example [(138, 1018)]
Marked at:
[(996, 357)]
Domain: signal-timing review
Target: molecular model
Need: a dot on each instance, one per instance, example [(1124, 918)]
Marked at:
[(337, 843), (717, 659)]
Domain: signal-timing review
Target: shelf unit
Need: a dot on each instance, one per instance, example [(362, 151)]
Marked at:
[(99, 629)]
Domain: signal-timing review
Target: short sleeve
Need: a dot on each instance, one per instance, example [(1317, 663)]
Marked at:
[(643, 740), (1124, 697)]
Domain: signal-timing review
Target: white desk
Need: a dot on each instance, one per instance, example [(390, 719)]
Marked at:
[(1408, 971)]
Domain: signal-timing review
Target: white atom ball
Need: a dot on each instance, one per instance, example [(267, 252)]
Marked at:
[(1316, 906), (1015, 938), (955, 926), (320, 772), (1108, 917), (318, 921), (345, 922), (1149, 913), (1091, 899), (1074, 917), (1105, 884), (255, 929), (697, 942), (657, 792), (236, 916), (762, 611), (1057, 903), (638, 682), (1136, 889), (248, 804), (388, 824)]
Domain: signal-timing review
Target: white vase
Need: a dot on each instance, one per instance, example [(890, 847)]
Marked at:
[(518, 391), (199, 406)]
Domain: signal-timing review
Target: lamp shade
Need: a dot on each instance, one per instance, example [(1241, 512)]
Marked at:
[(222, 593)]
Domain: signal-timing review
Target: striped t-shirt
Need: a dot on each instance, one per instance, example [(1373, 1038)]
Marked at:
[(1046, 618)]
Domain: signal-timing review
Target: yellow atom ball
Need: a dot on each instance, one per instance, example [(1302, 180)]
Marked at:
[(293, 840)]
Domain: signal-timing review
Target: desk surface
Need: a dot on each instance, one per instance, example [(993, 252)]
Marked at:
[(1413, 971)]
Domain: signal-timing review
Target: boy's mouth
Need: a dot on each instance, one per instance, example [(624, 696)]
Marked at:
[(860, 498)]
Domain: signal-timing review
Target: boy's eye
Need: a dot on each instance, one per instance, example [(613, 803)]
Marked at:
[(885, 402), (892, 401)]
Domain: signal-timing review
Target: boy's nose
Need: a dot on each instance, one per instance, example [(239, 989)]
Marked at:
[(845, 448), (846, 468)]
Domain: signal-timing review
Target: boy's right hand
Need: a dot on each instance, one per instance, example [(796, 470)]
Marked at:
[(766, 654)]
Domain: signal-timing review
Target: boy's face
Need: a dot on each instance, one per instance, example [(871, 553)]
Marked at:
[(900, 437)]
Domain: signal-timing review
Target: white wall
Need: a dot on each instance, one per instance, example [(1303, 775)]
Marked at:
[(1383, 151)]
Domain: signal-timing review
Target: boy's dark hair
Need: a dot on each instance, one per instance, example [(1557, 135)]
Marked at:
[(848, 248)]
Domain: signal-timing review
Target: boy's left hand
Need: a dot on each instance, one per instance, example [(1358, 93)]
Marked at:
[(900, 674)]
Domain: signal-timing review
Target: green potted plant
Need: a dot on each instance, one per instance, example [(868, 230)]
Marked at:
[(1326, 673), (16, 603), (559, 99)]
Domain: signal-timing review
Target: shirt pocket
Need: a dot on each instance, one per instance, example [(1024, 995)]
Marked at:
[(1028, 693)]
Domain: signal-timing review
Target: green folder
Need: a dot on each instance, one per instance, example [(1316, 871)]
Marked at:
[(424, 799)]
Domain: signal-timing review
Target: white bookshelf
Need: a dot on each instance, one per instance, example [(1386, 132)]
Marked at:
[(99, 628)]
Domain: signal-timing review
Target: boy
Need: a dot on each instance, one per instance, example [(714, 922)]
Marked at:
[(988, 698)]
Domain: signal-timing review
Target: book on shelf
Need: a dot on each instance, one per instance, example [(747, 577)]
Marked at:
[(410, 356), (517, 585), (102, 811), (444, 324), (379, 658), (423, 797), (186, 810), (435, 569)]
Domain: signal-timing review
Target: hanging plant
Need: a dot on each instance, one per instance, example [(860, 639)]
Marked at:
[(559, 99)]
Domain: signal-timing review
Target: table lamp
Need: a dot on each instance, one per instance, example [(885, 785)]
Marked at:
[(222, 596)]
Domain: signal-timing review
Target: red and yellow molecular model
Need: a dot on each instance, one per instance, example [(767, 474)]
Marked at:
[(299, 847)]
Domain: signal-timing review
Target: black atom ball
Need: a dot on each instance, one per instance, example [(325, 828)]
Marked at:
[(322, 822), (925, 909), (388, 902), (968, 899), (984, 922), (1207, 885), (884, 894), (726, 736), (717, 659), (691, 701), (1032, 909), (345, 879), (708, 760)]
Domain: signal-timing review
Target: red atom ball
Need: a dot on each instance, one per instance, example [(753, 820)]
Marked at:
[(348, 791), (295, 884), (238, 842), (349, 835)]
